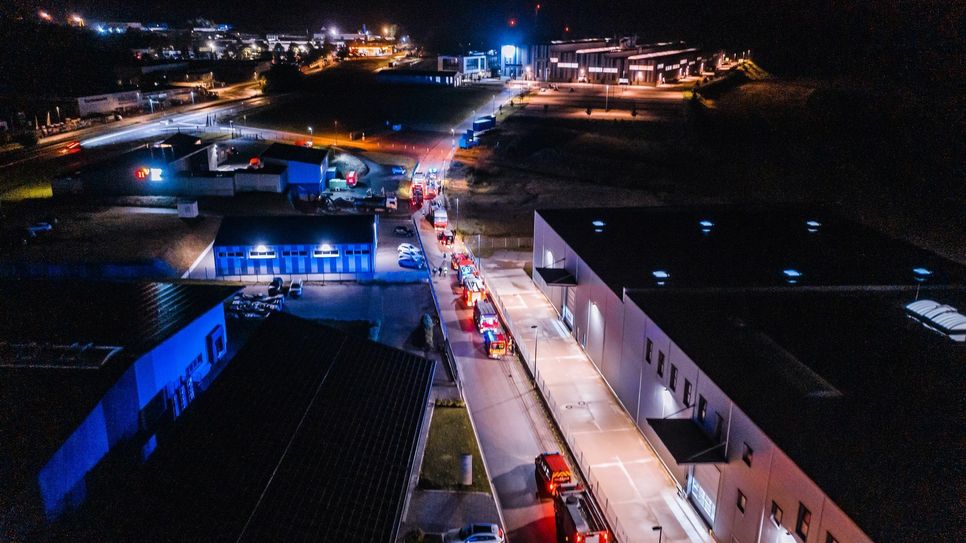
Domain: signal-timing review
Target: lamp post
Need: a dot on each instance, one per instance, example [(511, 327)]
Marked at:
[(457, 215), (660, 532), (536, 342)]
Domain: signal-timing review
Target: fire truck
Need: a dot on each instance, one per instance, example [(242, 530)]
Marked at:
[(578, 519), (552, 473), (484, 316), (473, 291), (494, 342)]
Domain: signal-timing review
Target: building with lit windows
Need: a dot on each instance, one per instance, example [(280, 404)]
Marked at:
[(332, 247), (799, 375), (91, 371), (615, 61)]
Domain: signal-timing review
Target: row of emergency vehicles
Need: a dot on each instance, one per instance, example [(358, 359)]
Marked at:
[(484, 313)]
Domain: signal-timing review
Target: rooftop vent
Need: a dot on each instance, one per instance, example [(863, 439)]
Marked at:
[(942, 318)]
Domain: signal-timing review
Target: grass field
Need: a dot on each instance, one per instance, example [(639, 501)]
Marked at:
[(348, 98), (450, 435)]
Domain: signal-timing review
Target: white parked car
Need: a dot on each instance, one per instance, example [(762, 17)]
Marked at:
[(407, 248), (473, 533)]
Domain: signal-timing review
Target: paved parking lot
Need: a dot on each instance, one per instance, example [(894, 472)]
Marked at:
[(397, 308)]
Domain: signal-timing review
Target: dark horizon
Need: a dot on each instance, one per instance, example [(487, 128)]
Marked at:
[(817, 37)]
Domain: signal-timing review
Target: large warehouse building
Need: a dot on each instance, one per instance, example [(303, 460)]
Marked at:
[(87, 368), (309, 434), (614, 61), (333, 247), (799, 375)]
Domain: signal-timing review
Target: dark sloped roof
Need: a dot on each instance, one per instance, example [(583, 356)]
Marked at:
[(296, 230), (309, 434), (866, 401), (296, 153), (745, 246), (42, 406)]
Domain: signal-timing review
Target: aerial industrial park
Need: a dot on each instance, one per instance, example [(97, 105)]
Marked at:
[(541, 272)]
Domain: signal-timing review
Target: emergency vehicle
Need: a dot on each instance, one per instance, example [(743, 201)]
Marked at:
[(577, 518), (458, 260), (473, 291), (484, 316), (552, 473), (494, 343), (446, 237), (440, 219), (467, 271)]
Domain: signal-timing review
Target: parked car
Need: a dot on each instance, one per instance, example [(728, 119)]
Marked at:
[(410, 254), (295, 288), (412, 262), (489, 533), (404, 231), (623, 81), (275, 287), (407, 248)]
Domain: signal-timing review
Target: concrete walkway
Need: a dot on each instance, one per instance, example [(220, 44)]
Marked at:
[(630, 484)]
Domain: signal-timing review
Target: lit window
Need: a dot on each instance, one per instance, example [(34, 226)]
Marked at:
[(702, 408), (649, 347), (674, 378), (804, 521), (326, 253), (261, 252), (742, 501), (776, 514), (660, 363), (688, 389), (748, 455)]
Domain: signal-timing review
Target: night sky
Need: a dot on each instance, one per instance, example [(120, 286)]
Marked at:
[(820, 36)]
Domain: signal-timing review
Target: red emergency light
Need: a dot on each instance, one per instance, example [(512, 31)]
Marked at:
[(142, 173)]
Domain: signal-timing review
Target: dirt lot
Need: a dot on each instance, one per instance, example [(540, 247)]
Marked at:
[(348, 98), (888, 159), (561, 157)]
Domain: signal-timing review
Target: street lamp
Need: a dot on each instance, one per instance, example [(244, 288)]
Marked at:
[(310, 132), (457, 215), (536, 342), (660, 532)]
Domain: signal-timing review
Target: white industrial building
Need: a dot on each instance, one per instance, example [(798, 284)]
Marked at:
[(800, 376)]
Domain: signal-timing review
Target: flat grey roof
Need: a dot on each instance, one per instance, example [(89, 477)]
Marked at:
[(296, 230), (867, 401), (740, 246)]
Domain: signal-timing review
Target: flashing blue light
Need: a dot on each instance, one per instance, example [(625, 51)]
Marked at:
[(598, 223), (705, 224), (599, 230), (792, 273), (812, 224), (924, 272), (661, 274)]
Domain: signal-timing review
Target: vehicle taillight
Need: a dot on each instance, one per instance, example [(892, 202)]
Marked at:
[(579, 538), (605, 536), (552, 486)]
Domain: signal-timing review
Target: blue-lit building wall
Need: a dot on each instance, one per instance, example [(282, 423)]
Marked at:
[(117, 418), (295, 259)]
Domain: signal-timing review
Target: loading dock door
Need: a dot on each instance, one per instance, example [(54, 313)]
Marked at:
[(704, 489), (568, 310)]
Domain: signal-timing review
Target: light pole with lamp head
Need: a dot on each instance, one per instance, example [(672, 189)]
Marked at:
[(660, 532), (536, 342)]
